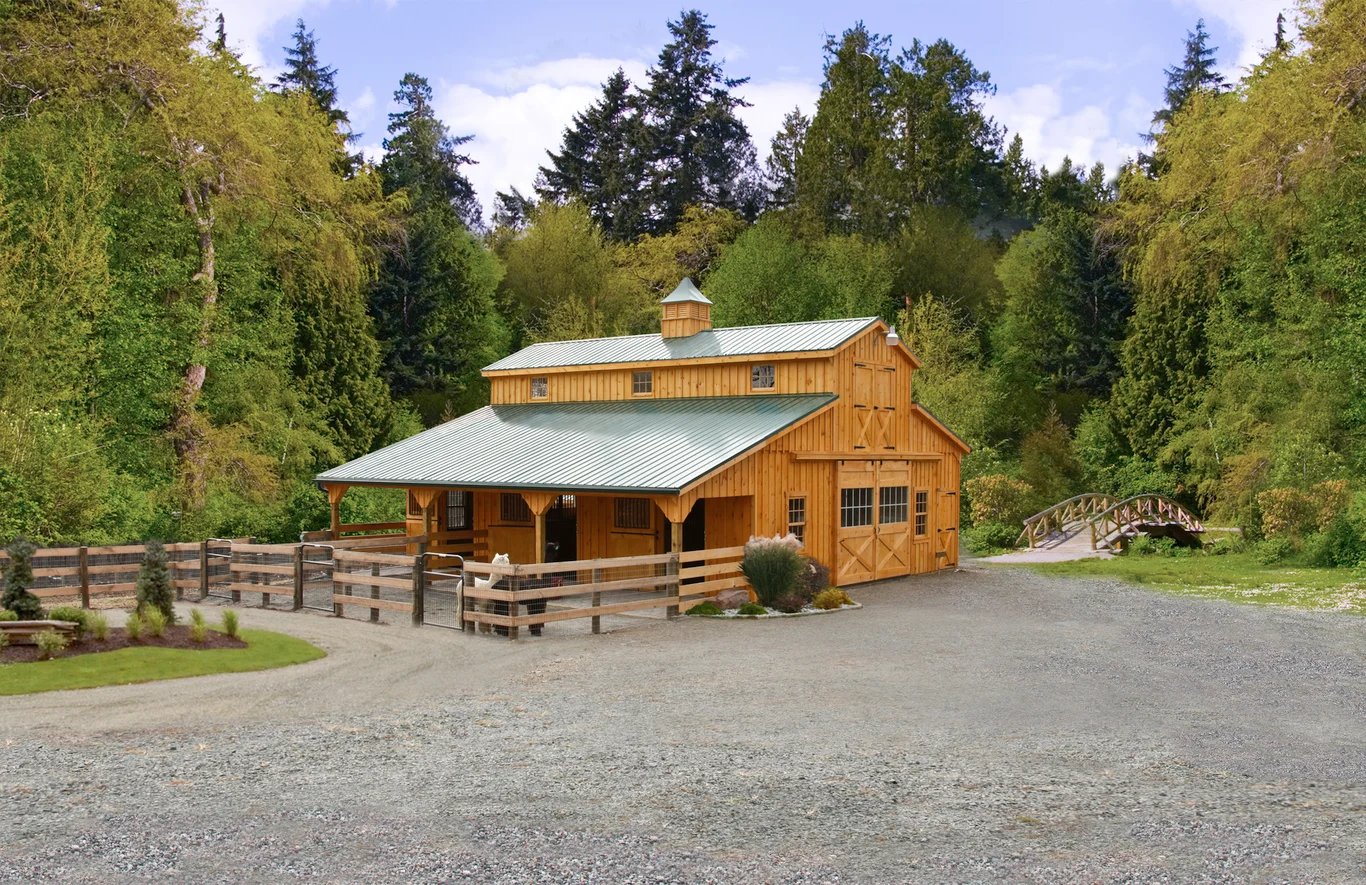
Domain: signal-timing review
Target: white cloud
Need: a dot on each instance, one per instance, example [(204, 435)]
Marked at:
[(770, 102), (248, 22), (1254, 24), (1086, 134)]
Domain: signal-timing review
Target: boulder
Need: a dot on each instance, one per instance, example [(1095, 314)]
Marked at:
[(731, 599)]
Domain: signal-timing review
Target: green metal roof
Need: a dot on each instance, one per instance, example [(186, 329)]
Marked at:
[(639, 446), (685, 291), (778, 338)]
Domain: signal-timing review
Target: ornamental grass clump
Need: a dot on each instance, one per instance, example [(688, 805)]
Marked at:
[(751, 609), (18, 578), (831, 598), (154, 621), (773, 567), (230, 622), (199, 631), (133, 627), (154, 583), (97, 625), (7, 615), (50, 644)]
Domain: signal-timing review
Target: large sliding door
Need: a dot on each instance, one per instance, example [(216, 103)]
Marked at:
[(874, 534)]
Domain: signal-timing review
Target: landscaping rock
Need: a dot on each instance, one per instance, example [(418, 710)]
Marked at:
[(730, 599)]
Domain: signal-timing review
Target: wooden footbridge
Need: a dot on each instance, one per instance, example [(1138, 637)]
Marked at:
[(1110, 521)]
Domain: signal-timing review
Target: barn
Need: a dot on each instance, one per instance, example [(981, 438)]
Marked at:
[(690, 439)]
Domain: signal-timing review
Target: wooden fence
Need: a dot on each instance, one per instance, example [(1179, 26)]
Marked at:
[(91, 576)]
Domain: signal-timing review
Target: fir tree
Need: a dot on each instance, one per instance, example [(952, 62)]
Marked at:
[(783, 156), (422, 157), (18, 578), (154, 582), (220, 37), (1195, 73), (601, 162), (305, 73)]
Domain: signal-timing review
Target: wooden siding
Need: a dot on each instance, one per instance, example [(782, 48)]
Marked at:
[(670, 380)]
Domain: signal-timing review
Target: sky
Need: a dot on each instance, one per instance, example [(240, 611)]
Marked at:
[(1075, 78)]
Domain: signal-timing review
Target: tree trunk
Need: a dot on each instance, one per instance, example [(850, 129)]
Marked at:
[(187, 431)]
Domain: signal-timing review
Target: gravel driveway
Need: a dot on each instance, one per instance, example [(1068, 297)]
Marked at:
[(977, 726)]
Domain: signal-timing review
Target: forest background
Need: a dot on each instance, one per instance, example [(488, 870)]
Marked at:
[(207, 295)]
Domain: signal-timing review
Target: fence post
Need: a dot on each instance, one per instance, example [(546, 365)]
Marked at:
[(338, 568), (374, 593), (84, 560), (419, 588), (203, 570), (512, 606), (263, 579), (671, 568), (597, 600), (299, 577)]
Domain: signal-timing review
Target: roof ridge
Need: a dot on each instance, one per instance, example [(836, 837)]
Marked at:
[(704, 331)]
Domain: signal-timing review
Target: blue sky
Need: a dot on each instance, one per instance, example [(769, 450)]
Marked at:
[(1075, 77)]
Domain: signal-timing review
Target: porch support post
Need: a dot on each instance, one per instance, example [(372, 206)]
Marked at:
[(426, 501), (539, 503), (334, 499), (676, 510)]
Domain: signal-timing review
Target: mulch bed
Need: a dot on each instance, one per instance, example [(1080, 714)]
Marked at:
[(174, 637)]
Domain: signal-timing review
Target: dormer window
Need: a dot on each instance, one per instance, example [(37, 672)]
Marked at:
[(763, 377), (642, 383), (540, 388)]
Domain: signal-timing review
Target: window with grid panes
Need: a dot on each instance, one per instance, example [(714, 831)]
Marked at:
[(796, 517), (922, 513), (892, 501), (513, 508), (458, 516), (856, 507), (632, 513), (540, 388), (413, 509), (642, 382), (763, 377)]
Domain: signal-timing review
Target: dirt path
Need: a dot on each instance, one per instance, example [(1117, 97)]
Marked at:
[(981, 726)]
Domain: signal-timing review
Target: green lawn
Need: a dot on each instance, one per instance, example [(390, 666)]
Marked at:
[(1237, 577), (265, 650)]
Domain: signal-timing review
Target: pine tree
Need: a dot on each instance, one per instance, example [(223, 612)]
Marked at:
[(154, 582), (783, 157), (1195, 73), (602, 161), (699, 150), (220, 37), (305, 73), (421, 156), (18, 578)]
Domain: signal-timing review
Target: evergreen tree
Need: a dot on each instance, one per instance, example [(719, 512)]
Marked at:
[(602, 162), (422, 158), (305, 73), (154, 588), (220, 38), (699, 151), (512, 210), (783, 156), (18, 578), (1020, 181), (1195, 73)]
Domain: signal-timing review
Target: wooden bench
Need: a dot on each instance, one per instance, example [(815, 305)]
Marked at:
[(25, 632)]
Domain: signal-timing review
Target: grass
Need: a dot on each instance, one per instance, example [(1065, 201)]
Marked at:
[(265, 650), (1236, 577)]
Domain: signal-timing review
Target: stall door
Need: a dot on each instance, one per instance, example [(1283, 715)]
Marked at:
[(874, 527), (893, 514), (948, 528)]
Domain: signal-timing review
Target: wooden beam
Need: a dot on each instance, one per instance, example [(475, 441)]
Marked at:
[(867, 455), (335, 493), (539, 502)]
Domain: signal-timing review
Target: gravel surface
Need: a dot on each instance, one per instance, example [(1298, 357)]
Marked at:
[(979, 726)]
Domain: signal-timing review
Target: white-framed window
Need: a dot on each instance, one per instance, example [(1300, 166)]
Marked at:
[(922, 513), (632, 513), (892, 501), (763, 377), (796, 517), (642, 383), (512, 507), (856, 507), (540, 387)]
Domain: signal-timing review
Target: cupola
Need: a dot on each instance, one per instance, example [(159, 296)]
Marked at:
[(686, 311)]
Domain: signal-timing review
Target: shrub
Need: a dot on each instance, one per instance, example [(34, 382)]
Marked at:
[(789, 603), (1286, 513), (989, 537), (7, 615), (1273, 550), (1341, 545), (154, 621), (1329, 500), (199, 631), (133, 626), (4, 639), (50, 644), (772, 566), (751, 608), (705, 608), (154, 587), (831, 597), (71, 615), (18, 578), (230, 622), (1227, 545), (814, 577), (999, 498), (97, 625)]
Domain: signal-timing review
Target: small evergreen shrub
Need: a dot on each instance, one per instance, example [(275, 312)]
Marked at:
[(703, 609), (97, 625), (154, 588), (50, 644), (1273, 550), (71, 615), (831, 597), (7, 615), (18, 578), (230, 622), (133, 626), (772, 566), (989, 537), (154, 621), (789, 603), (751, 608)]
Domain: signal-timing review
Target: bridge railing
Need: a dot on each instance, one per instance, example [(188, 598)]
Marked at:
[(1107, 525), (1078, 508)]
